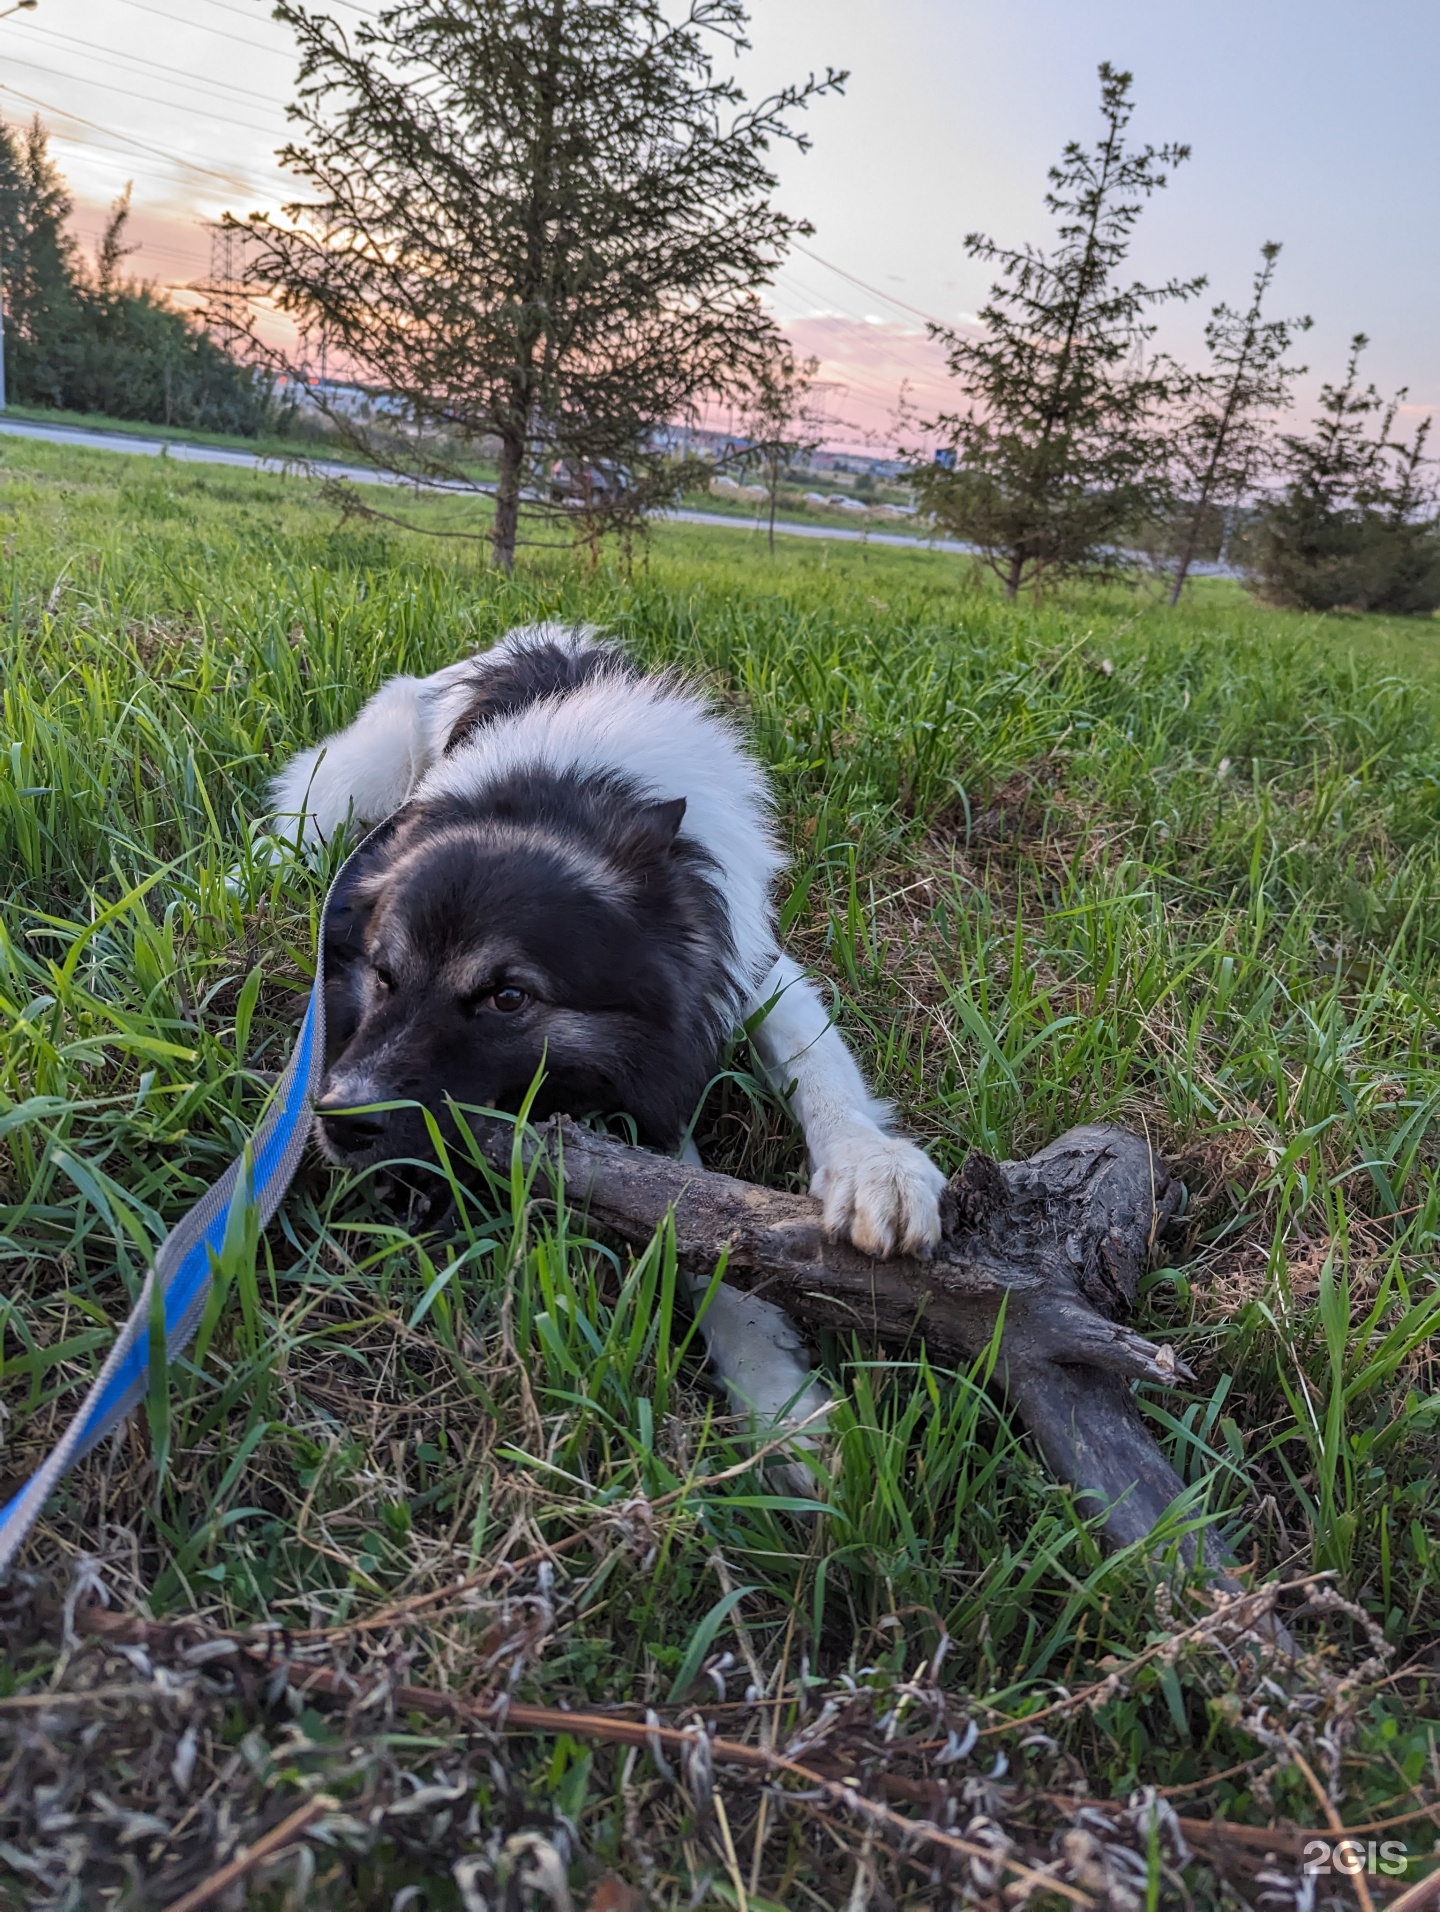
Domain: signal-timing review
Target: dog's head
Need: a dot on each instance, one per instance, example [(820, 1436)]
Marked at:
[(476, 950)]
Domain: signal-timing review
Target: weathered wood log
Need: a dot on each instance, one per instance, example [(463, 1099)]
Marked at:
[(1059, 1242)]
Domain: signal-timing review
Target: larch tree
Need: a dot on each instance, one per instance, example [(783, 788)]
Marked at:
[(1057, 455), (1225, 434), (781, 420), (538, 223)]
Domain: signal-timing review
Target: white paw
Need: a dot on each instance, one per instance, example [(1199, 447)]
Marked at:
[(880, 1191)]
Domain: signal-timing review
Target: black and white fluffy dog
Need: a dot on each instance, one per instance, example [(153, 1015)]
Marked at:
[(581, 880)]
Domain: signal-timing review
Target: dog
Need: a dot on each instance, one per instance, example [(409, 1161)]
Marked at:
[(575, 884)]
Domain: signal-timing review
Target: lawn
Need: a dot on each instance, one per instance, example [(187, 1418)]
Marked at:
[(1087, 859)]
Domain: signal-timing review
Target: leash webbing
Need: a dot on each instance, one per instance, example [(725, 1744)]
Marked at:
[(182, 1269)]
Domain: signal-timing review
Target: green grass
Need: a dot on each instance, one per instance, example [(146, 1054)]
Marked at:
[(1087, 859)]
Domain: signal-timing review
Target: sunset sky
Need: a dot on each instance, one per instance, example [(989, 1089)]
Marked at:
[(1311, 123)]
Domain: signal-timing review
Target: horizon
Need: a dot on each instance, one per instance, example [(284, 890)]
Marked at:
[(1317, 139)]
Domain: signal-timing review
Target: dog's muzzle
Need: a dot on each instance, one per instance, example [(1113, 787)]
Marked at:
[(350, 1131)]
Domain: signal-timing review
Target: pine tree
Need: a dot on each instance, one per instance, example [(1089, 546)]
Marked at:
[(1057, 456), (1224, 440), (541, 223), (1355, 527)]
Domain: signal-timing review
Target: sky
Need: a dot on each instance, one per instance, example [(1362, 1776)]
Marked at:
[(1313, 122)]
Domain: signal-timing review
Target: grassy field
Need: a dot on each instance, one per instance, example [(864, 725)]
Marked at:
[(1085, 859)]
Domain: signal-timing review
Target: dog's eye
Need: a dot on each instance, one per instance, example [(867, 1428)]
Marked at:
[(506, 999), (385, 978)]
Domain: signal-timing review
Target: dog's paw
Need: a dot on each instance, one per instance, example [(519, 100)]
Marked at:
[(799, 1481), (880, 1191)]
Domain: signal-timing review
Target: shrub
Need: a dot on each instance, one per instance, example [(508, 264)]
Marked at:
[(85, 341)]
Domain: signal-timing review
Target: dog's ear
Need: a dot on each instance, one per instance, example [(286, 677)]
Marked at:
[(647, 834), (660, 823), (351, 908)]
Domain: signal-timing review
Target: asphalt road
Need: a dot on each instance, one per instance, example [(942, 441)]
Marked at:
[(185, 452)]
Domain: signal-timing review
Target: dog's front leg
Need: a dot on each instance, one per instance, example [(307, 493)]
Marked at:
[(876, 1188), (759, 1357)]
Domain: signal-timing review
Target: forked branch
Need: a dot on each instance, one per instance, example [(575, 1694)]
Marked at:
[(1058, 1242)]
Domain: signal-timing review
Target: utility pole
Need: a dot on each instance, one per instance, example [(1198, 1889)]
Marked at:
[(20, 6)]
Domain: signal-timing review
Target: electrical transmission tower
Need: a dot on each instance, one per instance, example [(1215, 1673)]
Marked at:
[(225, 309)]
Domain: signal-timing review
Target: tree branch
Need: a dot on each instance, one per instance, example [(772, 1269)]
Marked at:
[(1052, 1247)]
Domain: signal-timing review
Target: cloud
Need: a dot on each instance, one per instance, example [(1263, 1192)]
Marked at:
[(865, 362)]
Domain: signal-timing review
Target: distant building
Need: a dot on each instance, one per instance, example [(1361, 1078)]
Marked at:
[(334, 395), (858, 464), (700, 441), (730, 447)]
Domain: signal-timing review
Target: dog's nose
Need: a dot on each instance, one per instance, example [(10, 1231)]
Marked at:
[(350, 1128)]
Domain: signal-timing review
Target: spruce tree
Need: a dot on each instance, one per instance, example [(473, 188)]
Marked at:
[(1223, 443), (1057, 456), (541, 223), (1356, 526)]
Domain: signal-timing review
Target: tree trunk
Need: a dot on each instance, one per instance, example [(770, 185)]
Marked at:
[(507, 503), (1187, 558), (1046, 1252), (1014, 574)]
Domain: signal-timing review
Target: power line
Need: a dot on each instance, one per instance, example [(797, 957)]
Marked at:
[(147, 99), (350, 6), (225, 88), (133, 167), (873, 290), (45, 106), (150, 248), (861, 385), (174, 20)]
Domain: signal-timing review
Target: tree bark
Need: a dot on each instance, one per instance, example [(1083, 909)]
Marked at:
[(1054, 1245), (507, 503)]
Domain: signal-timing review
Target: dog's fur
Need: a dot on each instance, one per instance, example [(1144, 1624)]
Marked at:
[(580, 881)]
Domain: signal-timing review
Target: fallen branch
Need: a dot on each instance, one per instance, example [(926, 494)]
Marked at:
[(1056, 1245), (269, 1846)]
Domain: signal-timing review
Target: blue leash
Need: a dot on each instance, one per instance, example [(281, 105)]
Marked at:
[(181, 1274)]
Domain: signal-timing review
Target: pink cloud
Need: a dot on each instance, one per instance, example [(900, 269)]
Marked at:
[(865, 363)]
